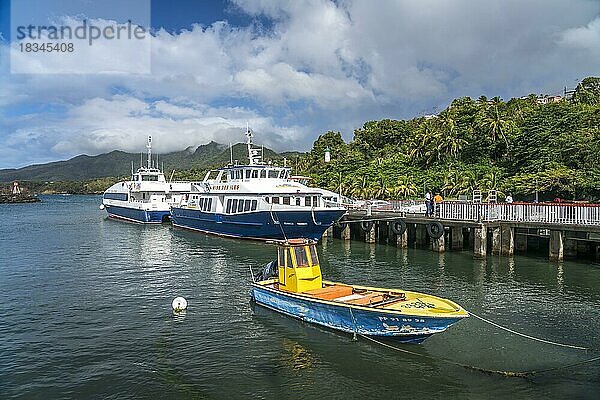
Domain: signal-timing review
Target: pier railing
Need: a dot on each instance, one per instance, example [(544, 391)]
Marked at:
[(547, 213)]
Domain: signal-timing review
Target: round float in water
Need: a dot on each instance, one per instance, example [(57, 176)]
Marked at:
[(179, 304), (101, 206)]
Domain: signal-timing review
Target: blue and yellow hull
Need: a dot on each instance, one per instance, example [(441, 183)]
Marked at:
[(404, 326), (259, 225)]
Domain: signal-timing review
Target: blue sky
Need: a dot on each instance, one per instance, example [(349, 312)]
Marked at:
[(291, 69)]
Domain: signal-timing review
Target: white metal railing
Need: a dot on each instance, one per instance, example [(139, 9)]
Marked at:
[(572, 214), (549, 213)]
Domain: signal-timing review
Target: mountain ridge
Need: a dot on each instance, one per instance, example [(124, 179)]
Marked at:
[(117, 163)]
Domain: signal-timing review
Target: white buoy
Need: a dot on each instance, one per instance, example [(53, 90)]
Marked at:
[(101, 206), (179, 304)]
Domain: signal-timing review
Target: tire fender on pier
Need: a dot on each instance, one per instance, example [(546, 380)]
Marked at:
[(435, 230), (341, 224), (366, 225), (398, 227)]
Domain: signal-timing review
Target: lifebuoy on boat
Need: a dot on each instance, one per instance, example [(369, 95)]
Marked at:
[(366, 225), (435, 230), (398, 227)]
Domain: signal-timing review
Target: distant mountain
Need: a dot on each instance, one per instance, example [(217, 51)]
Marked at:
[(118, 163)]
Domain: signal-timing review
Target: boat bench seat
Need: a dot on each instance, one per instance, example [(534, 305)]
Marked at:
[(330, 292), (367, 299)]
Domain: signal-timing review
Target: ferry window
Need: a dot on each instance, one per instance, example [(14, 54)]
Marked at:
[(297, 201), (149, 177), (263, 173), (248, 173), (234, 206), (255, 173), (231, 174), (267, 199), (209, 204), (272, 173), (307, 201), (223, 177), (201, 203), (228, 206), (281, 174), (254, 204), (247, 205), (286, 201), (144, 196), (301, 259), (238, 174), (316, 201), (240, 205), (314, 259), (275, 200)]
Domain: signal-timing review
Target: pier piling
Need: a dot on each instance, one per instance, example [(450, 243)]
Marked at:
[(480, 241), (556, 246)]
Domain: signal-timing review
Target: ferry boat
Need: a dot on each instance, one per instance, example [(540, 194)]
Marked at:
[(293, 285), (146, 198), (255, 201)]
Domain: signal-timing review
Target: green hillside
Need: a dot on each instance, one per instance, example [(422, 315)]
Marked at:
[(523, 146), (118, 163)]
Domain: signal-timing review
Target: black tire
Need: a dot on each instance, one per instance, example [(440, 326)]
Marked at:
[(366, 225), (435, 230), (341, 225), (398, 227)]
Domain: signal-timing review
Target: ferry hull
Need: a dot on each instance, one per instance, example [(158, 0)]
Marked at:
[(260, 225), (136, 215), (351, 319)]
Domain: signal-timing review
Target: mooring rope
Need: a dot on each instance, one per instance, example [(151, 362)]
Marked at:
[(530, 337), (507, 374)]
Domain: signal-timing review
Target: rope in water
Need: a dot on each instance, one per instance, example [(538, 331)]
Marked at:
[(528, 336), (507, 374)]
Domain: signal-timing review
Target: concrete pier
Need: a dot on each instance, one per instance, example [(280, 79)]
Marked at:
[(480, 242), (556, 239), (370, 236), (556, 246), (507, 246), (496, 240), (439, 245)]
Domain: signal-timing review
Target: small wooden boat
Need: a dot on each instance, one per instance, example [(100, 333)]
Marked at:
[(299, 291)]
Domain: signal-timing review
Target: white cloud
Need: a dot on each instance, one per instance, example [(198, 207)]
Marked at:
[(321, 65)]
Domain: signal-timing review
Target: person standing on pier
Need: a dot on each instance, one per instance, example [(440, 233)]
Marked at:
[(428, 205), (437, 200)]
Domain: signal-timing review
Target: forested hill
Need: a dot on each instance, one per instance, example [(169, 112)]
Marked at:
[(513, 146), (118, 163)]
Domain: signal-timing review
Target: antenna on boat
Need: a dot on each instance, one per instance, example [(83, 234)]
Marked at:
[(131, 169), (254, 154), (149, 147), (230, 153)]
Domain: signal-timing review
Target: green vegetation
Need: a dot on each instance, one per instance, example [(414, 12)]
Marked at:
[(514, 146)]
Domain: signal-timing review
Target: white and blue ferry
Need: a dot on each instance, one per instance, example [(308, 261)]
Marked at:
[(146, 198), (255, 201)]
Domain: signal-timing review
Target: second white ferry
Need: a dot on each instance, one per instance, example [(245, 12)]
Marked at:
[(147, 197)]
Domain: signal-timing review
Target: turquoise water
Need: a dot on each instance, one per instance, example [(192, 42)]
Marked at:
[(85, 312)]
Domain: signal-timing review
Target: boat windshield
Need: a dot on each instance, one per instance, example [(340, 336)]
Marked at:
[(301, 256), (314, 258), (149, 177)]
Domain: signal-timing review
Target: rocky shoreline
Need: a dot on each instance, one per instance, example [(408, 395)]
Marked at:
[(18, 198)]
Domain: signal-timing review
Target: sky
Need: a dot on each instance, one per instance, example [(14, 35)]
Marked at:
[(291, 69)]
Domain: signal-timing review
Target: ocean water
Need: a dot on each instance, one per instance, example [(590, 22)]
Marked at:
[(85, 313)]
